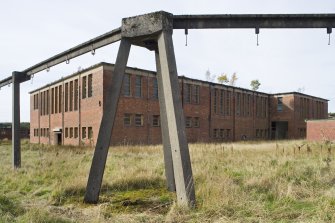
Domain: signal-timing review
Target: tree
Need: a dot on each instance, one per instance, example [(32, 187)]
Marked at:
[(209, 77), (255, 84), (233, 79), (223, 78)]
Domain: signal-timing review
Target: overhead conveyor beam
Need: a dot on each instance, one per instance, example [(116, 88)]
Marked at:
[(264, 21), (5, 81)]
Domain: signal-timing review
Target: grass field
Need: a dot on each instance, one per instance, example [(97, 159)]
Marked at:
[(240, 182)]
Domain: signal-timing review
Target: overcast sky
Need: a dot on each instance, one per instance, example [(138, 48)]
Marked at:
[(285, 60)]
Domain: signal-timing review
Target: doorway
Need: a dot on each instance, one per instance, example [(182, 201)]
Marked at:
[(279, 130)]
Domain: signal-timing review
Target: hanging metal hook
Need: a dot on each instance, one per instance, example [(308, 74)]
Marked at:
[(48, 68), (257, 32), (186, 33), (92, 50), (67, 61), (329, 31), (32, 78)]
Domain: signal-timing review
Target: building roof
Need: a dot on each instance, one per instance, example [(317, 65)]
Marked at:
[(180, 77)]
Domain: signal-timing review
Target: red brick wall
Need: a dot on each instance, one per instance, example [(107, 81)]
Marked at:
[(318, 130)]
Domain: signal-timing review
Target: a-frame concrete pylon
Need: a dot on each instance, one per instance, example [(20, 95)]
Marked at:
[(153, 31)]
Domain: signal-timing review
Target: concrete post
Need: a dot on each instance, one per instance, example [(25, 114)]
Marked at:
[(106, 126), (165, 132), (174, 116), (16, 144)]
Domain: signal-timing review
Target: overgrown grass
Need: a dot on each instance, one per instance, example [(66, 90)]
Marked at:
[(240, 182)]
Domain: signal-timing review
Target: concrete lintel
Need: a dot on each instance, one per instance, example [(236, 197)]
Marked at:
[(147, 24)]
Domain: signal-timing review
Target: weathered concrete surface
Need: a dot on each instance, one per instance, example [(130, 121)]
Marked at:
[(165, 131), (106, 126), (174, 118)]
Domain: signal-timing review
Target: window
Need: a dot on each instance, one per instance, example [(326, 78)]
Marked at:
[(196, 122), (156, 121), (127, 119), (138, 86), (187, 94), (248, 105), (215, 100), (90, 132), (155, 93), (71, 132), (126, 85), (222, 102), (48, 132), (139, 120), (188, 122), (228, 103), (76, 90), (56, 100), (76, 132), (47, 102), (257, 133), (71, 96), (279, 104), (216, 133), (66, 132), (66, 97), (90, 87), (84, 89), (228, 133), (196, 94), (238, 103), (83, 132), (60, 98), (221, 133)]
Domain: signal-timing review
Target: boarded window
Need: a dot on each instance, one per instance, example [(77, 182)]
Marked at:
[(156, 121), (138, 86), (76, 132), (90, 86), (71, 132), (139, 120), (66, 132), (126, 85)]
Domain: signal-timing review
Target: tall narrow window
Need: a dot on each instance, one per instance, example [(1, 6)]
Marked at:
[(90, 132), (196, 94), (187, 93), (215, 100), (60, 100), (56, 100), (196, 122), (188, 122), (66, 132), (48, 102), (83, 87), (138, 86), (155, 93), (228, 103), (66, 97), (248, 105), (238, 103), (127, 119), (76, 91), (222, 102), (279, 104), (83, 132), (71, 132), (139, 120), (76, 132), (71, 96), (52, 100), (126, 85), (156, 121), (90, 86)]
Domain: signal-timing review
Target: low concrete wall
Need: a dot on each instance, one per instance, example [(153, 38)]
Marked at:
[(318, 130)]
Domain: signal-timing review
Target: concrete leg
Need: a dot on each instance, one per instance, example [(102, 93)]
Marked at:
[(106, 126), (174, 116), (16, 143), (165, 133)]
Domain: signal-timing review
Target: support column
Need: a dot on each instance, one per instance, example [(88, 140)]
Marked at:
[(106, 126), (16, 137), (165, 132), (174, 117)]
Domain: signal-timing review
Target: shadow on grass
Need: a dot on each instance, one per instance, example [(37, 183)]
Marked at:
[(125, 196)]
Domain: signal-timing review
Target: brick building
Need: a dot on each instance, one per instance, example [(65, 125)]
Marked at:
[(69, 111), (321, 130)]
